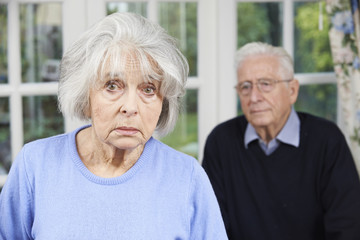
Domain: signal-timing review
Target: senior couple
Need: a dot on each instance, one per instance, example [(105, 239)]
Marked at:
[(270, 174)]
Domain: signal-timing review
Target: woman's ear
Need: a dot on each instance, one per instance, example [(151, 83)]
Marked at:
[(86, 110)]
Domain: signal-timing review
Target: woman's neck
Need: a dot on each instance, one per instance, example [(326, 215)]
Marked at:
[(104, 160)]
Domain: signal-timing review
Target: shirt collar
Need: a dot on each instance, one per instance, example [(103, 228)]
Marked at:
[(289, 134)]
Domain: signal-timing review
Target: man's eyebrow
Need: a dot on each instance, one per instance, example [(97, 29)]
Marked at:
[(246, 80)]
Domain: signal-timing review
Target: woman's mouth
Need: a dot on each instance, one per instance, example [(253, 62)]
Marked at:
[(128, 131)]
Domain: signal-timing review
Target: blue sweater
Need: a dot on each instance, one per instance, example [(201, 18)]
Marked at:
[(50, 194)]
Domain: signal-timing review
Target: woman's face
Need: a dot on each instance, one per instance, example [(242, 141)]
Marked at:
[(125, 107)]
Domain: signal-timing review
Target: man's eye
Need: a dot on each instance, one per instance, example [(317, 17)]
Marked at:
[(265, 83), (246, 86)]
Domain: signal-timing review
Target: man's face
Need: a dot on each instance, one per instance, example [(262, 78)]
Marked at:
[(270, 110)]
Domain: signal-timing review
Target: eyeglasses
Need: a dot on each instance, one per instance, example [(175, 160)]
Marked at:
[(264, 85)]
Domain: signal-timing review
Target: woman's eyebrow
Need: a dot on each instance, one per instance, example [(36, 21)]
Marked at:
[(114, 74)]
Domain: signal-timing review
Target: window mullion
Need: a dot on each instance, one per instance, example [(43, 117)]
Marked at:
[(14, 73), (207, 70), (288, 27), (152, 10)]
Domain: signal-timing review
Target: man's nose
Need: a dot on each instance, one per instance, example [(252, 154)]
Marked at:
[(255, 93)]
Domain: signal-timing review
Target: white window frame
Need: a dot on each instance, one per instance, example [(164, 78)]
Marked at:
[(216, 48), (226, 53), (73, 17)]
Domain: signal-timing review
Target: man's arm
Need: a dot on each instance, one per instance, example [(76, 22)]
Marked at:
[(340, 192), (214, 169)]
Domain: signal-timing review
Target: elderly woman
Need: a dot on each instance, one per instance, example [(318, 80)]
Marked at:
[(112, 179)]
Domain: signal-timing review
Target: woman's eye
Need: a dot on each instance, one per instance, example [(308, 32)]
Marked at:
[(112, 86), (149, 90)]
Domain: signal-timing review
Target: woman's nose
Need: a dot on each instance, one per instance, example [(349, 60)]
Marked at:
[(129, 105)]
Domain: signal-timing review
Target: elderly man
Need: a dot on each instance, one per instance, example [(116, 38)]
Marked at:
[(277, 173)]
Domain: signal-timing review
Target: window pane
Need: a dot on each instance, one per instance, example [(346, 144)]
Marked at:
[(41, 41), (319, 100), (41, 117), (180, 20), (5, 150), (259, 22), (184, 137), (135, 7), (3, 44), (312, 47)]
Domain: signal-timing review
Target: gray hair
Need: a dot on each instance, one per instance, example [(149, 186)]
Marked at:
[(110, 41), (258, 48)]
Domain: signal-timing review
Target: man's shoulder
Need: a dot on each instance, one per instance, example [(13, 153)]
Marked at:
[(314, 121), (311, 124), (236, 122), (234, 127)]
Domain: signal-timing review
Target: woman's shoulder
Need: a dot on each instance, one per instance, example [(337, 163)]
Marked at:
[(56, 142), (45, 145), (173, 159), (170, 153), (40, 151), (179, 165), (53, 143)]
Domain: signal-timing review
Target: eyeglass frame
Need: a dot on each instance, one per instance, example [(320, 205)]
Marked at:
[(258, 81)]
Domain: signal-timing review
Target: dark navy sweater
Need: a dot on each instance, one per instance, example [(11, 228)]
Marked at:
[(308, 193)]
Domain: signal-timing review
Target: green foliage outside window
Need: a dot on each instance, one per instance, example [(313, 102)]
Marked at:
[(313, 54), (259, 22), (134, 7), (45, 42), (5, 161), (3, 44), (184, 137), (180, 20), (312, 46), (41, 117)]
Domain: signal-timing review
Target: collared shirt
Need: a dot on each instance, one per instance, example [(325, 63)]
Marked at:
[(289, 134)]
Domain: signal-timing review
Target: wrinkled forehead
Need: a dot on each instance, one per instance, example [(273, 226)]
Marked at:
[(127, 63), (259, 66)]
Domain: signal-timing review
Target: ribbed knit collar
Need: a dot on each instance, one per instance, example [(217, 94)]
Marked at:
[(108, 181)]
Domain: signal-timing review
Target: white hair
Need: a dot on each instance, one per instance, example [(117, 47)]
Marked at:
[(258, 48), (110, 42)]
